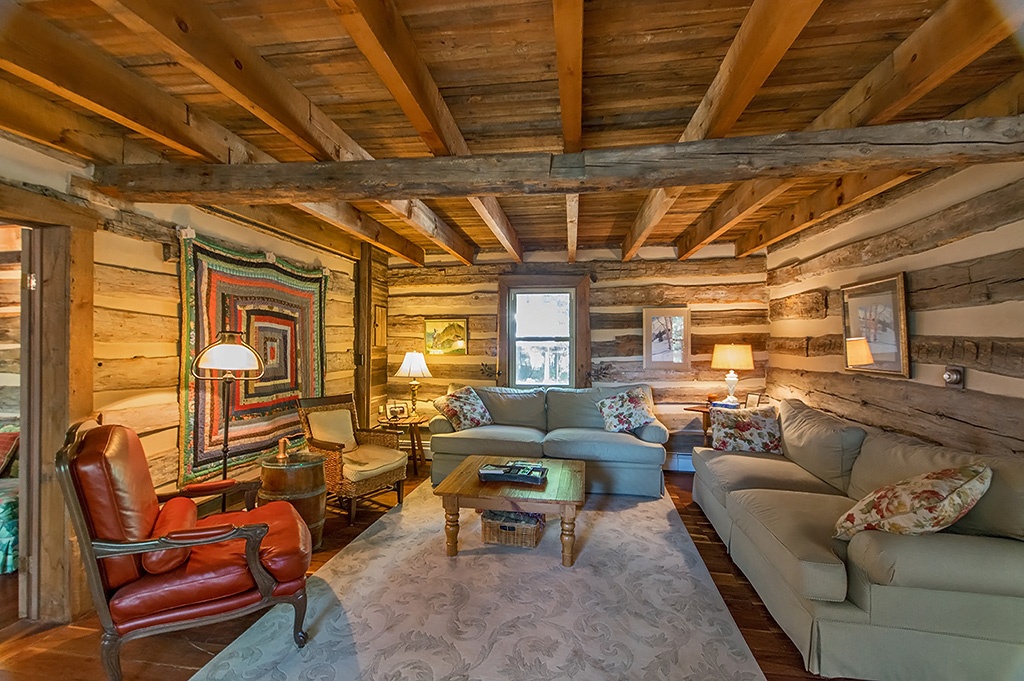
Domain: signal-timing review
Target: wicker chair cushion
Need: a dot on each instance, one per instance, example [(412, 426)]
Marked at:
[(333, 425), (372, 460)]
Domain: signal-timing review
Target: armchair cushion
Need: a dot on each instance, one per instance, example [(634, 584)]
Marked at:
[(334, 425), (180, 513), (215, 571), (372, 460)]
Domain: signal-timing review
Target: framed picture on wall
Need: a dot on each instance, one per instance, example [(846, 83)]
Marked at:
[(875, 327), (446, 336), (666, 337)]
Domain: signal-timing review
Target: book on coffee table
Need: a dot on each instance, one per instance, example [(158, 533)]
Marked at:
[(514, 471)]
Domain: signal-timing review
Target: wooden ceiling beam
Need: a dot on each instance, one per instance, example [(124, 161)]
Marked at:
[(200, 40), (568, 16), (902, 147), (954, 36), (35, 50), (381, 34), (850, 190), (764, 37)]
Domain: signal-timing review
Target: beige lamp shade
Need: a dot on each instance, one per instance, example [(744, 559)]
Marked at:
[(229, 354), (858, 352), (414, 366), (732, 356)]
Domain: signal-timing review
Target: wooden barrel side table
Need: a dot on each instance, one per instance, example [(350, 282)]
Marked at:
[(299, 480)]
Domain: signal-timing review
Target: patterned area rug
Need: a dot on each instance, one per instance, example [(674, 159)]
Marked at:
[(638, 604)]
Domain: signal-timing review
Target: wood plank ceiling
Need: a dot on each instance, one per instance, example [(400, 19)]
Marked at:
[(241, 81)]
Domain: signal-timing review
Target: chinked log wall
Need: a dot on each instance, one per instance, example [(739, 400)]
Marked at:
[(727, 298), (137, 338), (10, 325), (964, 265)]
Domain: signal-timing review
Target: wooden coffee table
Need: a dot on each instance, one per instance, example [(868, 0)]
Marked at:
[(561, 494)]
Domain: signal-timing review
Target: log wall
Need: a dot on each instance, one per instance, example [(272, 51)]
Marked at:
[(961, 245), (137, 334), (727, 298), (10, 326)]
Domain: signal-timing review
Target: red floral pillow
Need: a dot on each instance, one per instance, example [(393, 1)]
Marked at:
[(626, 411), (746, 430), (464, 409)]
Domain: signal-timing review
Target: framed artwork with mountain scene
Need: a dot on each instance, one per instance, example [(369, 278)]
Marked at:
[(447, 336)]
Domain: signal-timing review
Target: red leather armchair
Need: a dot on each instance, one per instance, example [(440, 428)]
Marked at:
[(155, 569)]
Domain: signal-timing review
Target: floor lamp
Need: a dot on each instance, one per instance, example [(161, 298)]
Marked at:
[(227, 359)]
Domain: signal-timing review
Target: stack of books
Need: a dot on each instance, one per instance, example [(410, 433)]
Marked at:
[(514, 471)]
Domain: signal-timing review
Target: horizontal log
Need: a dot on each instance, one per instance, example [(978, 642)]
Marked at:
[(135, 373), (632, 345), (10, 398), (10, 361), (807, 346), (113, 281), (905, 146), (481, 347), (806, 305), (145, 419), (667, 294), (1003, 356), (698, 319), (455, 305), (968, 420), (983, 281), (412, 325), (983, 213), (118, 326), (634, 372)]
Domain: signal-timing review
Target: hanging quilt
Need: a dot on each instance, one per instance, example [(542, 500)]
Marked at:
[(279, 308)]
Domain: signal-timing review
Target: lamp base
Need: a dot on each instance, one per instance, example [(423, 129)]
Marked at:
[(414, 385), (731, 379), (731, 399)]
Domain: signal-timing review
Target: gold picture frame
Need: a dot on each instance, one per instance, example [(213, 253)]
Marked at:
[(875, 327), (446, 336)]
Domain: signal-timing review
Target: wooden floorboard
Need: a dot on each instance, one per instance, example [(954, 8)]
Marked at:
[(8, 599), (29, 652)]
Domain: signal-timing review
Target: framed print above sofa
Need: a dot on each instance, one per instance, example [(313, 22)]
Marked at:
[(875, 327)]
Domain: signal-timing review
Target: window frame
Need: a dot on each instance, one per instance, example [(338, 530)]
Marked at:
[(579, 286)]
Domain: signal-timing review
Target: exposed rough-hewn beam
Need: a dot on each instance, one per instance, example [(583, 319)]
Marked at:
[(850, 190), (568, 16), (957, 34), (381, 35), (765, 35), (902, 147), (24, 207), (200, 40)]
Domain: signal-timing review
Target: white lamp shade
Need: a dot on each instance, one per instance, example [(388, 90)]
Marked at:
[(414, 366), (732, 356), (229, 353), (858, 352)]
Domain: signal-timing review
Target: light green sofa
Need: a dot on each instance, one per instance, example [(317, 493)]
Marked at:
[(946, 606), (561, 423)]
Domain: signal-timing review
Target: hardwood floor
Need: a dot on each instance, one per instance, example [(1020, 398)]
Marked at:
[(28, 652), (8, 599)]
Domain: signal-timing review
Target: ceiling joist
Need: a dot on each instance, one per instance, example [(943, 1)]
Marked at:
[(957, 34), (380, 33), (902, 147), (568, 15)]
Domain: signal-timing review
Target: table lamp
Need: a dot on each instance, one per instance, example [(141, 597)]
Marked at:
[(227, 359), (732, 357), (858, 352), (413, 366)]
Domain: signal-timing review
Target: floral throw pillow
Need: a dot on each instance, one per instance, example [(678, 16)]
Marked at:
[(463, 408), (919, 505), (626, 411), (746, 430)]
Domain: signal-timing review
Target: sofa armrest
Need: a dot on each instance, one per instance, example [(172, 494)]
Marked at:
[(440, 424), (655, 431), (942, 561)]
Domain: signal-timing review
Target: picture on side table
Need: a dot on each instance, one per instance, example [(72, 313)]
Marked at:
[(875, 327), (448, 336)]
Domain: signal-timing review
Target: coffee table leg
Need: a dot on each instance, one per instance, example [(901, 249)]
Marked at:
[(568, 534), (451, 525)]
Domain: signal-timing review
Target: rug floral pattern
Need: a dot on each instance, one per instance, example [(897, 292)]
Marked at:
[(638, 604)]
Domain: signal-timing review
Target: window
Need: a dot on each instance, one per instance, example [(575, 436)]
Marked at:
[(541, 337), (543, 331)]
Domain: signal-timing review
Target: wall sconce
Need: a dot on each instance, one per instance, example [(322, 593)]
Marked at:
[(954, 377)]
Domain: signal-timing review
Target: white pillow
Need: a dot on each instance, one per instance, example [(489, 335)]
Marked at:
[(333, 426)]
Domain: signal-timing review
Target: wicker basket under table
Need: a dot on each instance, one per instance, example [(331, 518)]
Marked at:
[(512, 529)]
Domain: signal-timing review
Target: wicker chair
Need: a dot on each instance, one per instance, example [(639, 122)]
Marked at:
[(375, 466)]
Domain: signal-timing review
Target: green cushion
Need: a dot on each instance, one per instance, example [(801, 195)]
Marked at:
[(515, 407), (588, 444), (577, 407), (822, 444), (723, 472), (490, 440)]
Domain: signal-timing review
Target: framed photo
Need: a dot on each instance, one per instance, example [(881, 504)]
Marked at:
[(753, 400), (446, 336), (666, 338), (875, 327), (397, 410)]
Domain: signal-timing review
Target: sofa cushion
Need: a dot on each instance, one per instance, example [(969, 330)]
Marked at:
[(746, 430), (887, 458), (823, 444), (577, 407), (723, 472), (463, 408), (793, 530), (919, 505), (943, 561), (600, 445), (490, 440), (515, 407), (626, 411)]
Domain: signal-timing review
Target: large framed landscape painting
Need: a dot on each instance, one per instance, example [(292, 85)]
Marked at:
[(448, 336), (875, 327), (279, 308)]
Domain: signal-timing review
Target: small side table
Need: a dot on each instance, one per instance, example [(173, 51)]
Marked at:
[(299, 480), (413, 423), (705, 412)]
